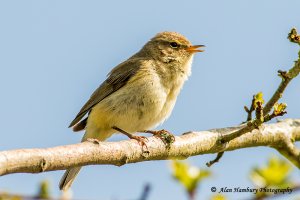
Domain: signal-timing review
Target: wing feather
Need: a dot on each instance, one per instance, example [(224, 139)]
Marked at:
[(116, 79)]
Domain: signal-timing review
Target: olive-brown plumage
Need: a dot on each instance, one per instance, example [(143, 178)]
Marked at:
[(138, 94)]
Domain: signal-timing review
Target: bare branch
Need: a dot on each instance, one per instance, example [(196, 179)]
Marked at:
[(249, 111), (129, 151), (286, 76), (263, 114)]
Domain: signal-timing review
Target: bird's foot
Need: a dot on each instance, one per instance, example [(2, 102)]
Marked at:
[(141, 139), (167, 137)]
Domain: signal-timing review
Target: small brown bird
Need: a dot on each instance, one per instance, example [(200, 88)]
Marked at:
[(138, 94)]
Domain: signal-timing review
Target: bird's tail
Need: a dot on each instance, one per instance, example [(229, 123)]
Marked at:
[(70, 174), (68, 178)]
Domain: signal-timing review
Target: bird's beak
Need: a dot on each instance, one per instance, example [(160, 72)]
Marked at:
[(194, 48)]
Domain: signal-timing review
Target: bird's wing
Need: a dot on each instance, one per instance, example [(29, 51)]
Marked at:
[(116, 79)]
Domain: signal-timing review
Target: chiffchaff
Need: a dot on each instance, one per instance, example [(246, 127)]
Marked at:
[(138, 94)]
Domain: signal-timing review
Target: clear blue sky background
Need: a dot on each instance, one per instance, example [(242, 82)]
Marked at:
[(53, 54)]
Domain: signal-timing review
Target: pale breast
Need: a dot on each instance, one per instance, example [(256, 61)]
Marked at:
[(172, 90), (141, 104)]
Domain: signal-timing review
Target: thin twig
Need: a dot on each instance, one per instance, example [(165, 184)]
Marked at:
[(251, 125), (262, 114), (249, 111), (278, 93), (219, 156), (145, 192)]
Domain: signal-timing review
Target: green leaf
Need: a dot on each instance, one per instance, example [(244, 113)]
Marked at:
[(44, 190), (258, 98), (188, 176), (279, 108), (275, 174)]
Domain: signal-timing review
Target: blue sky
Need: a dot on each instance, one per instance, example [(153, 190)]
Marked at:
[(54, 54)]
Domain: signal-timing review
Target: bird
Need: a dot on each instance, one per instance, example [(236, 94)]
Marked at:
[(138, 94)]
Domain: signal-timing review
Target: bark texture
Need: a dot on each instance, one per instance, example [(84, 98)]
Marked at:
[(280, 135)]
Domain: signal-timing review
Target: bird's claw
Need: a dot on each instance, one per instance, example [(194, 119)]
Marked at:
[(167, 137), (141, 140)]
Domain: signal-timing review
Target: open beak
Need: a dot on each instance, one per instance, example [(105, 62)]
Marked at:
[(194, 48)]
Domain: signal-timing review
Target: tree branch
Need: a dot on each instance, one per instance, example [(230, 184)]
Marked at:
[(278, 135), (263, 114)]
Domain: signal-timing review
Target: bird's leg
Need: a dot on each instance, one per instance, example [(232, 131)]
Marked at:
[(167, 137), (141, 139)]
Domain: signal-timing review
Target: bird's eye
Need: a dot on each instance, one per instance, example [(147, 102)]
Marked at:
[(174, 44)]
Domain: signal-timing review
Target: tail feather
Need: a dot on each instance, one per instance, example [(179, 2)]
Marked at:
[(80, 125), (70, 174), (68, 178)]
